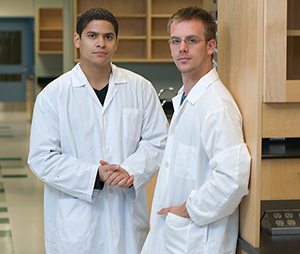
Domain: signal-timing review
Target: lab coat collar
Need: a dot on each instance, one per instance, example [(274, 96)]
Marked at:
[(198, 89), (116, 78), (79, 79)]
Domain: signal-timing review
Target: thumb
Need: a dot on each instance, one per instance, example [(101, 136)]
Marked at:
[(163, 211), (102, 162)]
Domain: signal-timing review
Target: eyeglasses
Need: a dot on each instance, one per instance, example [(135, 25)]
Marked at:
[(189, 41)]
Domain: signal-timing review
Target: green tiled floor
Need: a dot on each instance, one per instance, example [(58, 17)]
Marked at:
[(6, 242), (4, 220), (21, 192), (2, 195), (14, 176), (3, 210)]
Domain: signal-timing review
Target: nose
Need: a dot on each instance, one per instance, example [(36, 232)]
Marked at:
[(101, 42), (183, 46)]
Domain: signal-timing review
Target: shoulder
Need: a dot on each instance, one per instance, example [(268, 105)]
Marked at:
[(132, 80), (58, 84), (217, 98), (128, 75)]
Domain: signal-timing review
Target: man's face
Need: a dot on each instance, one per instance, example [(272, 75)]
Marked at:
[(191, 53), (97, 44)]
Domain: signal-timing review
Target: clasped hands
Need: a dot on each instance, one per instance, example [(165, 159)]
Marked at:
[(114, 175)]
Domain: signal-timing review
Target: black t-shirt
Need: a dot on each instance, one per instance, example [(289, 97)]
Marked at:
[(101, 94)]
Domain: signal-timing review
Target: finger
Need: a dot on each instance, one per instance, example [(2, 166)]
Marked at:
[(122, 183), (125, 183), (163, 211), (112, 177), (130, 181), (119, 180), (102, 162), (107, 174)]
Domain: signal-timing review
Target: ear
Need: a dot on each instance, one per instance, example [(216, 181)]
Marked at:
[(117, 43), (210, 46), (76, 40)]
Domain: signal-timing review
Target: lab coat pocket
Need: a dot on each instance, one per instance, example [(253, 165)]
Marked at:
[(186, 157), (73, 220), (182, 235), (132, 120)]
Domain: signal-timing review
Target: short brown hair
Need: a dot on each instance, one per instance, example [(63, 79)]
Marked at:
[(193, 12)]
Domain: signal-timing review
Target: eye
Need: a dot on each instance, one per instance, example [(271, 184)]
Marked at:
[(175, 41), (192, 41), (109, 37), (91, 36)]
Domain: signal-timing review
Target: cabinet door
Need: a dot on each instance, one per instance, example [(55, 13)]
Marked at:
[(282, 51), (286, 179)]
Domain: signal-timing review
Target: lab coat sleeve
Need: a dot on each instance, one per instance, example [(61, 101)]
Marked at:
[(145, 162), (46, 159), (229, 160)]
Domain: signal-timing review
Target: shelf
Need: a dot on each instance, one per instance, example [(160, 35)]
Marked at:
[(293, 33), (161, 16), (142, 27), (118, 7), (50, 52), (280, 148), (132, 16), (50, 30), (166, 38), (132, 38)]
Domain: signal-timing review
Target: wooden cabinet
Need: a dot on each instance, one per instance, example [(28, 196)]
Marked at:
[(258, 60), (282, 51), (50, 30), (280, 179), (143, 35)]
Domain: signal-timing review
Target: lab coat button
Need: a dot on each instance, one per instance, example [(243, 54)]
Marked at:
[(167, 164)]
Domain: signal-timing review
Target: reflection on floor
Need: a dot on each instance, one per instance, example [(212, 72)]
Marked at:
[(21, 192)]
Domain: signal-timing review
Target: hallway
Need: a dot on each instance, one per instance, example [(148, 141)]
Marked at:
[(21, 192)]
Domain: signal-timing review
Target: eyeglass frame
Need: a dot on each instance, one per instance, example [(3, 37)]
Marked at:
[(186, 40)]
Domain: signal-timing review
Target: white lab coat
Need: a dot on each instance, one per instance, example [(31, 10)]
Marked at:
[(205, 164), (71, 131)]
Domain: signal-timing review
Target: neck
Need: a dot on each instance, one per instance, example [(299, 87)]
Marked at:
[(189, 80), (97, 76)]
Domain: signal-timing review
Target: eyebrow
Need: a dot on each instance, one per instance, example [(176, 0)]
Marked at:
[(189, 36), (96, 33)]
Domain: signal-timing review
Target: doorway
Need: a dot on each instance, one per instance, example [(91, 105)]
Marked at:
[(16, 58)]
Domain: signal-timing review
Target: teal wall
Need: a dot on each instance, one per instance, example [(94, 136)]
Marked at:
[(162, 75)]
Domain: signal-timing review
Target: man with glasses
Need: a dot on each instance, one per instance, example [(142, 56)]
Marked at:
[(205, 168)]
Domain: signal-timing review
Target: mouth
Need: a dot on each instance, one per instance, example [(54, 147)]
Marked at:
[(100, 53), (183, 59)]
